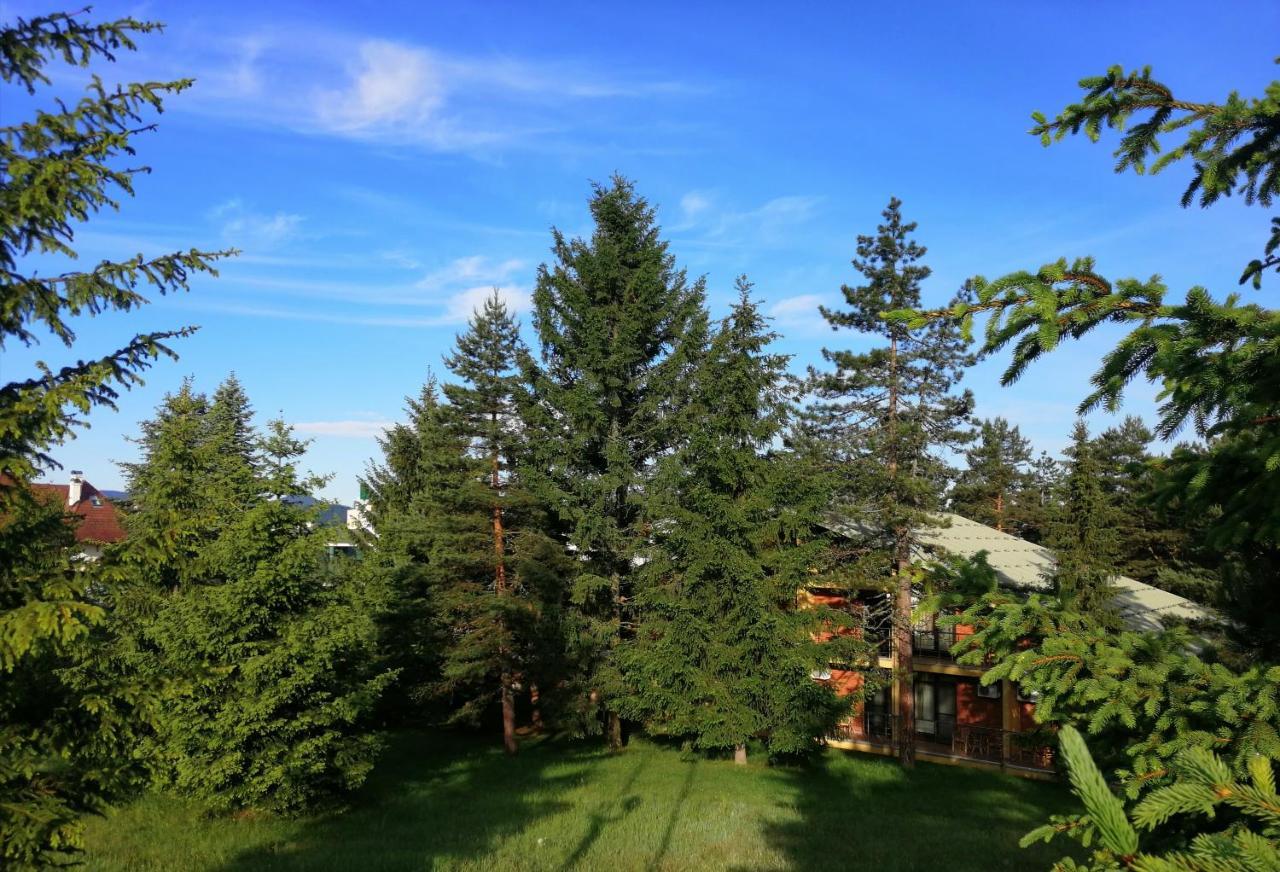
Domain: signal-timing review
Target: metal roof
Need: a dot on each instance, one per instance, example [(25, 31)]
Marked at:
[(1028, 566)]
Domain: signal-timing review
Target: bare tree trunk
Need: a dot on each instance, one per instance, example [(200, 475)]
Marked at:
[(740, 755), (904, 667), (508, 715), (1000, 511), (509, 743), (613, 729), (535, 708), (902, 624)]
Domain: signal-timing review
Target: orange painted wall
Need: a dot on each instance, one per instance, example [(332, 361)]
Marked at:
[(976, 710)]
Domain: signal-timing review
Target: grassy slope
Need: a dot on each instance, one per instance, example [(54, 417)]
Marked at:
[(451, 802)]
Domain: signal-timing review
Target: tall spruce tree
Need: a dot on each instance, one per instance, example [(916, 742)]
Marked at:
[(1083, 532), (619, 327), (723, 655), (1041, 497), (423, 462), (171, 518), (233, 447), (885, 413), (996, 483), (391, 484), (62, 740), (482, 408), (273, 651)]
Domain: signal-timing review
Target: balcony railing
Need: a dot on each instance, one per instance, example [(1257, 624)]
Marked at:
[(937, 728), (941, 734), (934, 643)]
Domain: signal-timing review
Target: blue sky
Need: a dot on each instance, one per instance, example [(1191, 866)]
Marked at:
[(383, 165)]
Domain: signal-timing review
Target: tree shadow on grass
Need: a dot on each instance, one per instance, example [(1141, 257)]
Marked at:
[(857, 812), (609, 812), (435, 798)]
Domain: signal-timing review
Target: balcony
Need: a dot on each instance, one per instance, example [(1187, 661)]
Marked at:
[(944, 739), (935, 644), (929, 644)]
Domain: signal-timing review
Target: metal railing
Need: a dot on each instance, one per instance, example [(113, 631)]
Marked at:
[(934, 643), (968, 741)]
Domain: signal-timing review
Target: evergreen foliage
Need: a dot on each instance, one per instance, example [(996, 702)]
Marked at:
[(1145, 697), (995, 487), (620, 328), (420, 457), (883, 415), (272, 653), (490, 608), (1217, 361), (63, 735), (173, 516), (1239, 819), (723, 656), (1082, 533)]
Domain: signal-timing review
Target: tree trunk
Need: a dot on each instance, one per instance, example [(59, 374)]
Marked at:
[(902, 624), (613, 729), (535, 708), (1000, 511), (500, 590), (508, 715), (740, 755), (903, 666)]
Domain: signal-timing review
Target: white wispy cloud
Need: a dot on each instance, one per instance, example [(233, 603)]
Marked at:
[(472, 269), (799, 316), (777, 219), (391, 87), (356, 429), (797, 307), (396, 92), (463, 304), (400, 258), (245, 227)]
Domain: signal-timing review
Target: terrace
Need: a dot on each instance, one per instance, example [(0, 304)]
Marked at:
[(940, 738)]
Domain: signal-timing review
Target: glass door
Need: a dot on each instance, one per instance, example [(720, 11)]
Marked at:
[(935, 697)]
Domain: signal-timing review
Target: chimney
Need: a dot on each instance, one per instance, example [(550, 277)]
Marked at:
[(76, 488)]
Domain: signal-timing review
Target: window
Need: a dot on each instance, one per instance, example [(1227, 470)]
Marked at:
[(989, 691), (1028, 695), (820, 675)]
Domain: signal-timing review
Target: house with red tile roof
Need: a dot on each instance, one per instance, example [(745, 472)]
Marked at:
[(96, 519)]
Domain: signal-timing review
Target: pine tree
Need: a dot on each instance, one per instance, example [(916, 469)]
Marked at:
[(885, 412), (62, 736), (995, 485), (1083, 531), (390, 485), (618, 327), (486, 359), (275, 652), (171, 517), (424, 464), (232, 445), (723, 656)]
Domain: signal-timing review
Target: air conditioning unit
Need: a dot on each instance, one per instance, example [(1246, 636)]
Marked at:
[(989, 691)]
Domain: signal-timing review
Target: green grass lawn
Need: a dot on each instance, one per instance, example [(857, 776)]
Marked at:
[(441, 801)]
